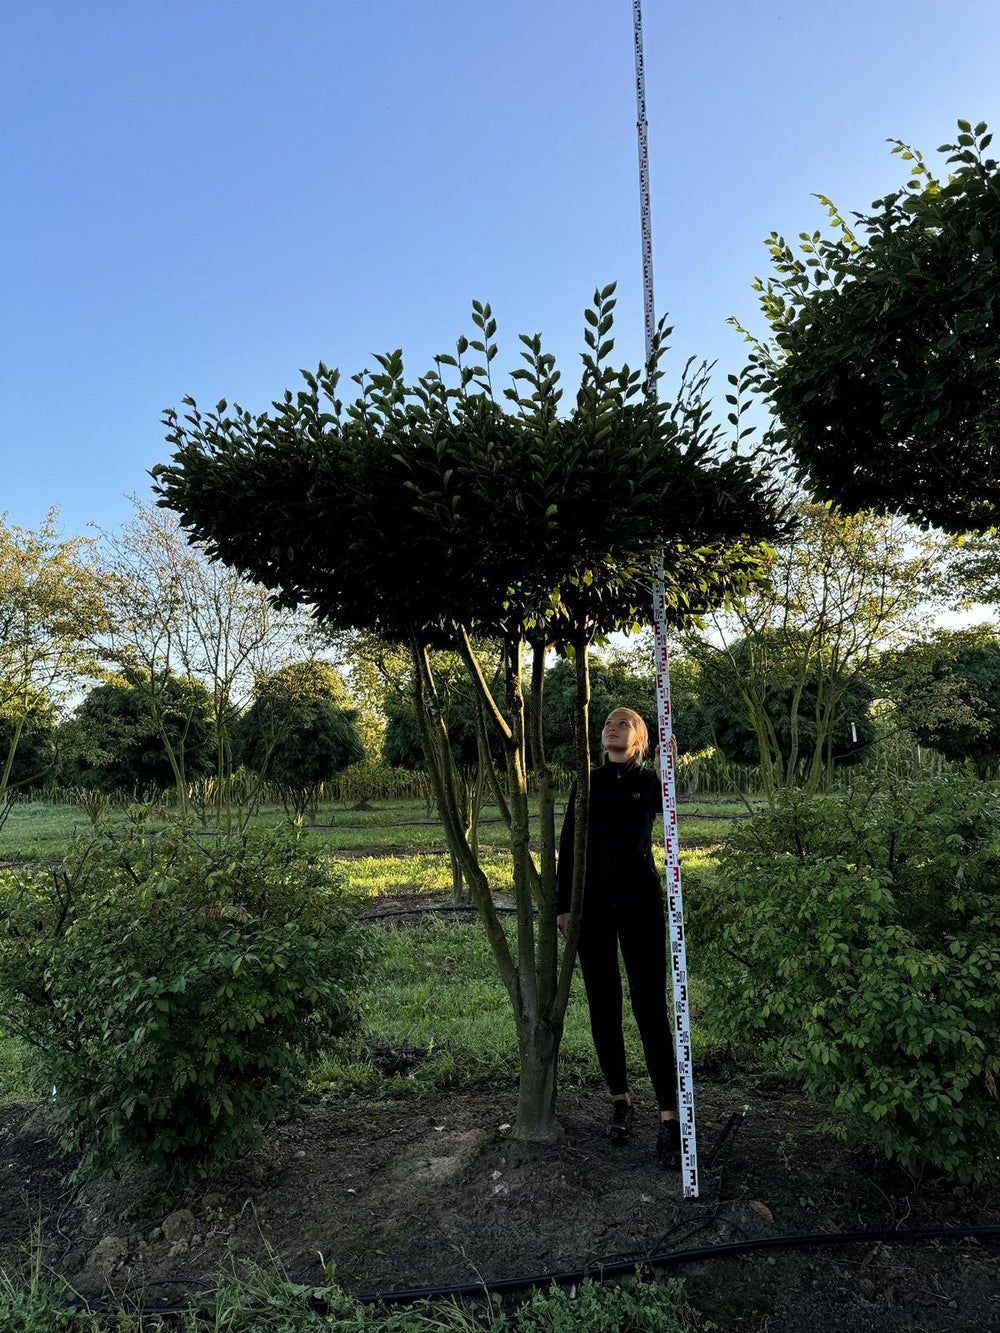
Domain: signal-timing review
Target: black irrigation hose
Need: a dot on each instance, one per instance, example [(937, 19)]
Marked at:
[(620, 1268), (626, 1266), (431, 911)]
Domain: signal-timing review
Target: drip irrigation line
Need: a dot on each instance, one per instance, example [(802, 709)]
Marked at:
[(601, 1271), (609, 1268), (431, 911)]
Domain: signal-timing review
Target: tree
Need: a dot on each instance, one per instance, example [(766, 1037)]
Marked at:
[(884, 368), (117, 740), (432, 515), (950, 695), (52, 605), (845, 591), (175, 613), (35, 753), (792, 684), (300, 730)]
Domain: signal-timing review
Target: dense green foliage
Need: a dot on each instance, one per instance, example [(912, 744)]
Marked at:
[(421, 507), (175, 991), (791, 690), (885, 367), (118, 737), (963, 679), (857, 935), (300, 729), (33, 742)]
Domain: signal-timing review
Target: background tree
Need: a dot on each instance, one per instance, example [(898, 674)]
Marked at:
[(115, 741), (431, 515), (176, 613), (35, 751), (884, 366), (844, 591), (52, 605), (949, 690), (300, 730), (789, 697)]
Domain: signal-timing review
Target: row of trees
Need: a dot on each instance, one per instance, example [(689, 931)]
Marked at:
[(785, 679)]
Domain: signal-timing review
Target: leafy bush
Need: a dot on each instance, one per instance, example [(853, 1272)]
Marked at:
[(857, 934), (174, 992)]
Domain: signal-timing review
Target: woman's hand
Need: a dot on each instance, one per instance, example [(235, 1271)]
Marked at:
[(562, 922), (673, 751)]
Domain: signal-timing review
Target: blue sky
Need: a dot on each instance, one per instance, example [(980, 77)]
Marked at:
[(202, 196)]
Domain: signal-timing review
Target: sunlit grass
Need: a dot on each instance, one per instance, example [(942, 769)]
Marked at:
[(437, 992)]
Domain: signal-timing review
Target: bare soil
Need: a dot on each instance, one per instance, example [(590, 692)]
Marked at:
[(425, 1192)]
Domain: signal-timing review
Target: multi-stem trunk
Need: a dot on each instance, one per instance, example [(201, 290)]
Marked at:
[(538, 986)]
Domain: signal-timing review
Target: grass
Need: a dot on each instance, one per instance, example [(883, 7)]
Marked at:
[(438, 1010), (436, 1016), (39, 831), (437, 1000), (265, 1300)]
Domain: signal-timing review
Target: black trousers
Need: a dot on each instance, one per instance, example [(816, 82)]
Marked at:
[(634, 921)]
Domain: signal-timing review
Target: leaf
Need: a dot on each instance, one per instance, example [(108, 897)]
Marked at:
[(762, 1209)]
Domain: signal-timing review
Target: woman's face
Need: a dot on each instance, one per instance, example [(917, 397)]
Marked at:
[(619, 734)]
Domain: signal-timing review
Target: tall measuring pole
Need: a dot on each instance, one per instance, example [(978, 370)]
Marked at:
[(671, 845)]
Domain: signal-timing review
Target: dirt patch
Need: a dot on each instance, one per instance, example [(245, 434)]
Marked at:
[(427, 1192)]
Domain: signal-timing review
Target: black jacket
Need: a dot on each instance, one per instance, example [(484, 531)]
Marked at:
[(624, 801)]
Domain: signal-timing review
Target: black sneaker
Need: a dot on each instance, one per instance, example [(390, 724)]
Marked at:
[(619, 1128), (668, 1145)]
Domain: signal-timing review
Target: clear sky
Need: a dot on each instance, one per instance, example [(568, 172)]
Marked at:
[(201, 196)]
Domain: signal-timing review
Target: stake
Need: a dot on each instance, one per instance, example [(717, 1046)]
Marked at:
[(665, 730)]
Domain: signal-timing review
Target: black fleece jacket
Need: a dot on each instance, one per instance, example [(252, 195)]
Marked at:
[(624, 801)]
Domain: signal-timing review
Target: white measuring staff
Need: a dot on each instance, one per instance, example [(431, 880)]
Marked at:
[(665, 729)]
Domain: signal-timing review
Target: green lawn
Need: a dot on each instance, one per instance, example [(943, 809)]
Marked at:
[(436, 998)]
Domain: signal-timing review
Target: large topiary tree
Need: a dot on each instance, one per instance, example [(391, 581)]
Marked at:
[(300, 730), (120, 739), (884, 367), (429, 513)]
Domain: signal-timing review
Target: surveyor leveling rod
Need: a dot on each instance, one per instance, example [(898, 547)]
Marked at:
[(671, 846)]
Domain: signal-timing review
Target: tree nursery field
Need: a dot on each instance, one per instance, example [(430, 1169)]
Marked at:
[(392, 1168)]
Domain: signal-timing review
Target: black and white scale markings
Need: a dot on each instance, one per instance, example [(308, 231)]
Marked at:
[(665, 730)]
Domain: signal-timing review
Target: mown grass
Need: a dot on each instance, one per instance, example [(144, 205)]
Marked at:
[(438, 1007), (41, 831), (436, 998)]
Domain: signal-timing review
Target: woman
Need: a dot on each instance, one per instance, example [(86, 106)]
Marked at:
[(623, 907)]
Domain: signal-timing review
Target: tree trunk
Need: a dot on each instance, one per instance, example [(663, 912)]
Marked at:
[(538, 1044)]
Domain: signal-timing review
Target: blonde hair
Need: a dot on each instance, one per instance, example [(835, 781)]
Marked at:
[(639, 744)]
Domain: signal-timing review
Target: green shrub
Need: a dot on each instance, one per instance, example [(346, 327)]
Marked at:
[(857, 934), (174, 991)]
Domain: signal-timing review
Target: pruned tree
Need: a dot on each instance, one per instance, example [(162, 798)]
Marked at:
[(948, 689), (116, 742), (300, 731), (429, 514), (883, 368)]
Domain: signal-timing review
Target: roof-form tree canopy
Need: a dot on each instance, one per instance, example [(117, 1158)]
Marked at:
[(421, 506), (884, 370)]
